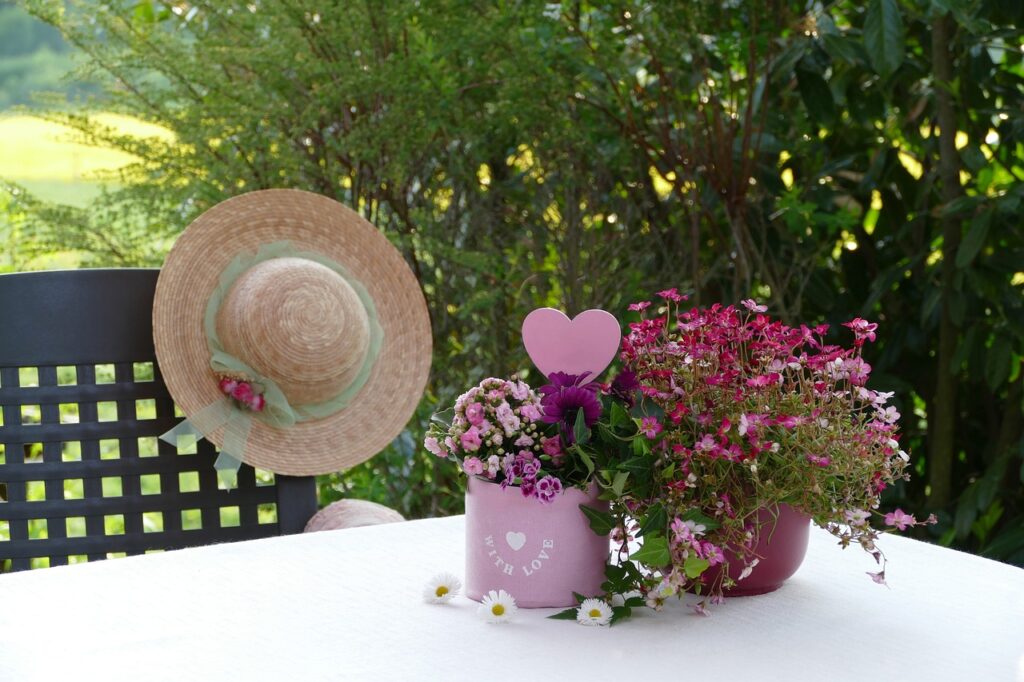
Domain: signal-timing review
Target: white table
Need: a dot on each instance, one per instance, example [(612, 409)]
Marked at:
[(346, 605)]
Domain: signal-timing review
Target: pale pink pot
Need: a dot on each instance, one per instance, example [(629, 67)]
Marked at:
[(538, 553), (781, 550)]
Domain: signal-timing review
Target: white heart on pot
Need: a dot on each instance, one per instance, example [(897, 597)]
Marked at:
[(515, 540)]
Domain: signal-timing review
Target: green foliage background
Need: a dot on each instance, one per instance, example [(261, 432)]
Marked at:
[(855, 158)]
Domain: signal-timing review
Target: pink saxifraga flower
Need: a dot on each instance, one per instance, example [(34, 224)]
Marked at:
[(862, 329), (650, 427), (638, 307), (818, 460), (671, 295), (857, 517), (900, 519), (473, 466), (879, 577), (227, 385), (753, 306)]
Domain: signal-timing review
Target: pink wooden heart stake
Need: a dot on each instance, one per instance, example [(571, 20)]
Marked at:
[(586, 344)]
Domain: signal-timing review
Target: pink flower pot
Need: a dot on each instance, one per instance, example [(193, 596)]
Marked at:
[(538, 553), (780, 549)]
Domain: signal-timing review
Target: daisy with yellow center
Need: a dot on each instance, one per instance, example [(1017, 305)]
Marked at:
[(497, 607), (441, 588), (594, 612)]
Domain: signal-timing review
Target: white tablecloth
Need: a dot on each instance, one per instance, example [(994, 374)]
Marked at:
[(347, 605)]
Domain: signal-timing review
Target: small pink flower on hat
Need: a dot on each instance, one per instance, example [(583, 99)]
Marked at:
[(244, 392)]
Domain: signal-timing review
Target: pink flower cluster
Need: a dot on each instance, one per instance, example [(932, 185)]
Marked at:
[(757, 410), (244, 392), (497, 431), (686, 541), (715, 370)]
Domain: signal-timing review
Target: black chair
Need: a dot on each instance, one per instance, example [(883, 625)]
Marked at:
[(83, 402)]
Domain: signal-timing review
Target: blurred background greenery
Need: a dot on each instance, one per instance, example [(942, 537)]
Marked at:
[(834, 160)]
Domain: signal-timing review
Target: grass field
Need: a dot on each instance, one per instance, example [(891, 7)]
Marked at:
[(42, 156)]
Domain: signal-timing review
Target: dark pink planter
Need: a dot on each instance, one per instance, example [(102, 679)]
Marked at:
[(538, 553), (781, 551)]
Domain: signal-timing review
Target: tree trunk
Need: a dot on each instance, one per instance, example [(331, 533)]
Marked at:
[(942, 448)]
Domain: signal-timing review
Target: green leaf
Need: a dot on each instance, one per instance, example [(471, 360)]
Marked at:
[(637, 465), (634, 601), (974, 240), (641, 447), (966, 511), (1009, 540), (618, 415), (694, 566), (973, 158), (579, 429), (883, 36), (816, 96), (997, 362), (656, 521), (620, 612), (588, 461), (601, 522), (696, 516), (654, 552), (620, 482), (839, 47), (568, 614), (144, 13)]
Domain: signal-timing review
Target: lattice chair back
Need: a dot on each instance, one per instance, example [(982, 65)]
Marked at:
[(83, 475)]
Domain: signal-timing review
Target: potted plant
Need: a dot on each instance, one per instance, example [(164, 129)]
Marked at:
[(531, 489), (747, 431)]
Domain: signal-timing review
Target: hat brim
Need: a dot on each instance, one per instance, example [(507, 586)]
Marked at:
[(315, 223)]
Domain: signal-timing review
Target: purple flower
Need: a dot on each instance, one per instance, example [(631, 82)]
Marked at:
[(548, 488), (523, 467), (564, 398), (625, 387), (526, 488)]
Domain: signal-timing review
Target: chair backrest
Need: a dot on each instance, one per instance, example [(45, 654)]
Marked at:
[(83, 475)]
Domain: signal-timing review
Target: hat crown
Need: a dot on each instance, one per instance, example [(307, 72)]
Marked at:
[(298, 323)]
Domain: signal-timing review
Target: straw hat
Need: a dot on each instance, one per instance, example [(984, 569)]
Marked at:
[(304, 300)]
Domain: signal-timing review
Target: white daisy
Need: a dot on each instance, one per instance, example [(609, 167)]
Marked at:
[(497, 607), (441, 588), (594, 612)]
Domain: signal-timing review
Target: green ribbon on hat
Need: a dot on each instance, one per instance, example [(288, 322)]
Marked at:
[(277, 412)]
